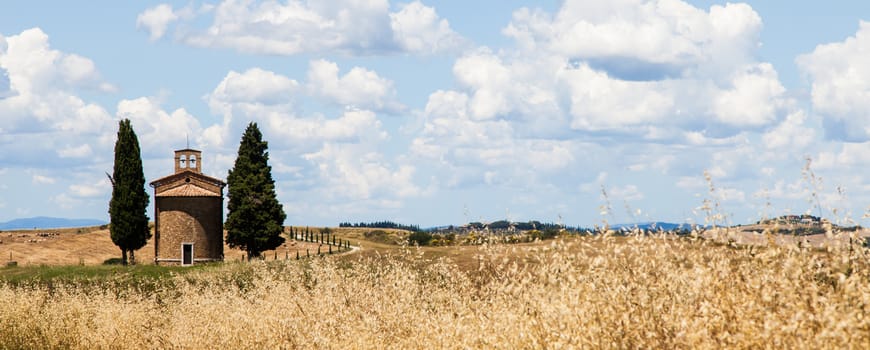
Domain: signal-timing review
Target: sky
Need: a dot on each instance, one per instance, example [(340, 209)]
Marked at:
[(445, 112)]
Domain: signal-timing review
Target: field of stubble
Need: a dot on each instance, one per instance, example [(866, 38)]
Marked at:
[(575, 292)]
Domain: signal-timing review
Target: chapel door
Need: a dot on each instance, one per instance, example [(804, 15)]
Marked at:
[(187, 254)]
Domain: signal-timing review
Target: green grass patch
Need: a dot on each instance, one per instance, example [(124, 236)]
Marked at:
[(84, 274)]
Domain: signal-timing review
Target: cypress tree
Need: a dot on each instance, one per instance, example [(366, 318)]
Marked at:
[(127, 208), (255, 218)]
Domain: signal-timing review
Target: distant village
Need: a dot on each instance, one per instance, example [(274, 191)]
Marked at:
[(804, 220)]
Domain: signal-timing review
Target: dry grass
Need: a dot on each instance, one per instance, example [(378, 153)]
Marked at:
[(601, 292), (92, 246)]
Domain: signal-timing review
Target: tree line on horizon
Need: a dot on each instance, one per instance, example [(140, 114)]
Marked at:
[(255, 217), (382, 224)]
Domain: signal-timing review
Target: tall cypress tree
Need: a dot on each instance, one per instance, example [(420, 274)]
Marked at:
[(127, 208), (255, 218)]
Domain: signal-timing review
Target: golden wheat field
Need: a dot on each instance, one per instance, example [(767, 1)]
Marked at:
[(576, 292), (92, 246)]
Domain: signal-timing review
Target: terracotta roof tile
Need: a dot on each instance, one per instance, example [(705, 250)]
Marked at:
[(188, 190)]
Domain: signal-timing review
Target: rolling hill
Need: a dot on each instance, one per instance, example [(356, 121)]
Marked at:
[(43, 222)]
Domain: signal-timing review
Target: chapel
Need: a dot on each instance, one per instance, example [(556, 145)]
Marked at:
[(188, 214)]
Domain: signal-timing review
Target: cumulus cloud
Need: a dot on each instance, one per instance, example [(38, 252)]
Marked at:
[(156, 19), (840, 91), (569, 72), (656, 87), (5, 86), (851, 154), (42, 97), (753, 99), (635, 38), (347, 171), (352, 126), (626, 193), (600, 102), (453, 139), (42, 180), (417, 28), (253, 95), (157, 128), (81, 151), (254, 86), (293, 27), (359, 87), (90, 190), (791, 134), (333, 156), (268, 98)]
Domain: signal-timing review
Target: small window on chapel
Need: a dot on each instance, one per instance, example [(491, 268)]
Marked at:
[(192, 161), (182, 161)]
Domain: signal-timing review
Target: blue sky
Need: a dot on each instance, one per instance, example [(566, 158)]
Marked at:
[(444, 112)]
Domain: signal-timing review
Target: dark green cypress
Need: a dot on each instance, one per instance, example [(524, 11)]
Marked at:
[(127, 208), (255, 218)]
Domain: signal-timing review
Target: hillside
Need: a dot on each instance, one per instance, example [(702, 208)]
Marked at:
[(43, 222), (92, 246)]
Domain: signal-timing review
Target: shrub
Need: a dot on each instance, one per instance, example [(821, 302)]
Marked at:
[(375, 234), (420, 238), (113, 261)]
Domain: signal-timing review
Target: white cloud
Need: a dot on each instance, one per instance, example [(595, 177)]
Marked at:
[(81, 151), (5, 85), (359, 87), (294, 27), (728, 194), (254, 86), (253, 95), (268, 98), (791, 134), (753, 98), (42, 97), (551, 92), (353, 126), (840, 90), (329, 157), (850, 155), (156, 128), (417, 28), (92, 190), (33, 65), (626, 193), (42, 180), (155, 20), (600, 102), (485, 74), (635, 38), (347, 171), (485, 151), (691, 183)]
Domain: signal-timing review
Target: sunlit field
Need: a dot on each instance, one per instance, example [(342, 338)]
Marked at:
[(644, 291)]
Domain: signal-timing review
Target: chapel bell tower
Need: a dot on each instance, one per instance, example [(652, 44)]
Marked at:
[(188, 159)]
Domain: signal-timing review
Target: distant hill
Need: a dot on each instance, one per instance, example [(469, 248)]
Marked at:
[(43, 222), (665, 226)]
